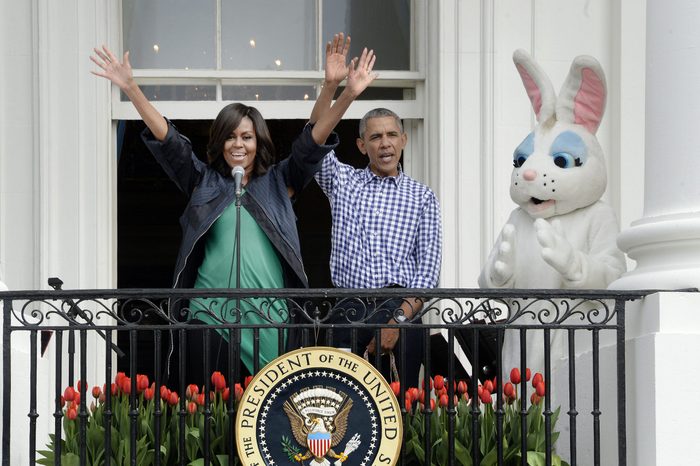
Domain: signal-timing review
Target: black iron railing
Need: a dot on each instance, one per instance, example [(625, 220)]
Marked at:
[(143, 323)]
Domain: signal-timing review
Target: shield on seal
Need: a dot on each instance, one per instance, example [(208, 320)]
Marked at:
[(319, 443)]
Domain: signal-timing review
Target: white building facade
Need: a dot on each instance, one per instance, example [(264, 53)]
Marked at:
[(465, 111)]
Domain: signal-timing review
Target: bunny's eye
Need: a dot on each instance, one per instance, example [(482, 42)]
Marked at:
[(566, 160), (519, 160)]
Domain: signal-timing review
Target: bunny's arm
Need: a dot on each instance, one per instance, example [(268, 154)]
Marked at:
[(603, 262), (499, 269)]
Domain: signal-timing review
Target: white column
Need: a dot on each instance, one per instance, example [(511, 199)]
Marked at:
[(664, 329), (666, 241), (663, 335)]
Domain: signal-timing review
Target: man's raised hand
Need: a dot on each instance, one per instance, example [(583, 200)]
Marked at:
[(360, 73)]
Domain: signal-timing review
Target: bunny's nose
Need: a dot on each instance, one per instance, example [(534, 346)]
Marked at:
[(529, 175)]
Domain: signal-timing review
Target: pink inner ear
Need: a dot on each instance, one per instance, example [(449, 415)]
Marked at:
[(589, 103), (533, 92)]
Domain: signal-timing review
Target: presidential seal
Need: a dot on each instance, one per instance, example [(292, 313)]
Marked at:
[(318, 406)]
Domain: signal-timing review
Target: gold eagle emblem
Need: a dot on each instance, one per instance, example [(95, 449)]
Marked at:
[(318, 417)]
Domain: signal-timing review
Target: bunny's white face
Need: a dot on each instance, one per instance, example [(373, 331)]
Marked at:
[(557, 170)]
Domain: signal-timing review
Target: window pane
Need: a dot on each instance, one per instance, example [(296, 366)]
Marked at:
[(384, 93), (177, 93), (384, 26), (268, 93), (170, 34), (268, 35)]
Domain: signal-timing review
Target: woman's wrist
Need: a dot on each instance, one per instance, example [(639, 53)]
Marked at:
[(130, 87)]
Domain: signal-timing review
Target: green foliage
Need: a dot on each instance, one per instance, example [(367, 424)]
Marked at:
[(487, 422), (122, 418)]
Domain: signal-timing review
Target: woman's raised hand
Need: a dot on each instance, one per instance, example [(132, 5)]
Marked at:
[(360, 73), (119, 73), (336, 55)]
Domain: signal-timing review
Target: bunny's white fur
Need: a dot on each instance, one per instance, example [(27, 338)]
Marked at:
[(561, 235)]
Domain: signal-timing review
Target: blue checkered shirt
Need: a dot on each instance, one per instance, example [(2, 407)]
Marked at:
[(386, 230)]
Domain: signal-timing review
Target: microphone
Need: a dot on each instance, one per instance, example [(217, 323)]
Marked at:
[(237, 174)]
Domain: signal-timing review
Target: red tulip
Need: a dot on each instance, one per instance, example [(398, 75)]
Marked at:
[(432, 405), (78, 385), (69, 394), (444, 401), (238, 392), (515, 375), (414, 393), (118, 378), (540, 389), (226, 394), (218, 380), (72, 413), (537, 379), (192, 407), (199, 399), (247, 381), (63, 401), (488, 385), (164, 393), (115, 389), (527, 374), (408, 403), (534, 399), (439, 382), (141, 383), (76, 398), (462, 387), (96, 391), (509, 390), (421, 396), (396, 388), (485, 396), (126, 385), (422, 384), (191, 391), (149, 393), (173, 399), (102, 398)]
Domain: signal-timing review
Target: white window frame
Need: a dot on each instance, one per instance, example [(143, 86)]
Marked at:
[(288, 109)]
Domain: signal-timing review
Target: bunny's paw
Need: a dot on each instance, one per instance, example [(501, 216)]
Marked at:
[(504, 265), (556, 249)]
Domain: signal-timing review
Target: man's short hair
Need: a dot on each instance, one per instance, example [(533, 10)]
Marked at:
[(378, 113)]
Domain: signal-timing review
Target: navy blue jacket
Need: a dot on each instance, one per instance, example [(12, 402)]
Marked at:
[(265, 198)]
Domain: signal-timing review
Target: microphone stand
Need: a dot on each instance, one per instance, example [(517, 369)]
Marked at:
[(238, 268), (74, 311), (238, 242)]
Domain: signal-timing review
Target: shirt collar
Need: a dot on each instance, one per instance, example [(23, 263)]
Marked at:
[(369, 175)]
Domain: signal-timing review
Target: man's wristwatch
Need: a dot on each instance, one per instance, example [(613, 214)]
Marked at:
[(400, 319)]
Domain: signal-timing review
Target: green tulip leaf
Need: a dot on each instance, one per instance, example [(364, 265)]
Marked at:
[(462, 454)]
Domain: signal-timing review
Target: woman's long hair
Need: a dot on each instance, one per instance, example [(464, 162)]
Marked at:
[(226, 122)]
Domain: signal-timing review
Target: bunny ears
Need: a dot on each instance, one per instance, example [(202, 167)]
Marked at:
[(581, 100)]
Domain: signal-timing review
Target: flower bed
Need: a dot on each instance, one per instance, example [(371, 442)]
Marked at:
[(120, 421), (196, 403), (415, 425)]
